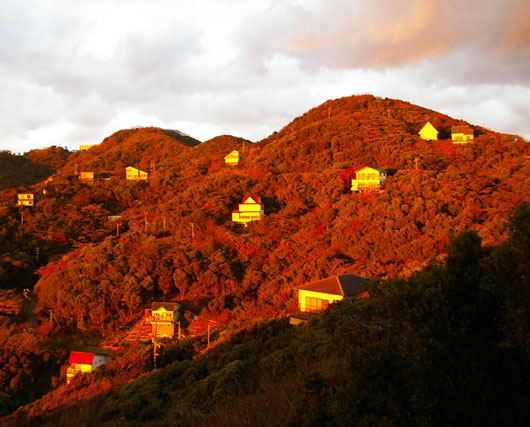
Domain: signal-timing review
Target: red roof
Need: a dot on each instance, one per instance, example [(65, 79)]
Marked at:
[(81, 358)]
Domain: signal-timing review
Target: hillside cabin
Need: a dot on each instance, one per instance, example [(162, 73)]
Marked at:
[(368, 179), (316, 296), (81, 362), (86, 147), (133, 174), (428, 132), (89, 176), (461, 134), (163, 316), (25, 199), (233, 158), (249, 210)]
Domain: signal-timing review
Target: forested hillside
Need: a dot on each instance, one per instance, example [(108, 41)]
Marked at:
[(174, 238), (31, 168)]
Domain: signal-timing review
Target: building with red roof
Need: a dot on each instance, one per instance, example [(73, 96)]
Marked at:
[(83, 362)]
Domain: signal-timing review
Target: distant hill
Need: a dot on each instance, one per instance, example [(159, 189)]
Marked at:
[(54, 157), (16, 171), (136, 147)]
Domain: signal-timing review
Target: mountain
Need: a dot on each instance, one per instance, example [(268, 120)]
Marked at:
[(176, 241)]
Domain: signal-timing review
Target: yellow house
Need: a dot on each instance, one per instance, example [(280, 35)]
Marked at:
[(367, 179), (316, 296), (134, 174), (461, 134), (162, 318), (25, 199), (428, 132), (81, 362), (86, 147), (233, 158), (86, 175), (249, 210)]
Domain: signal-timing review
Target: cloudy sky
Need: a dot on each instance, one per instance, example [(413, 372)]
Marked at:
[(73, 72)]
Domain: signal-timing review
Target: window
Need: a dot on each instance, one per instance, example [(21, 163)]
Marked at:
[(315, 304)]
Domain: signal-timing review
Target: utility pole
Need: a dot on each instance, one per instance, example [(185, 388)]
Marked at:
[(117, 229), (416, 162), (178, 329), (37, 250), (192, 232), (156, 346), (329, 112), (164, 223)]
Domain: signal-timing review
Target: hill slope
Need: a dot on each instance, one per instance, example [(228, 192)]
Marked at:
[(31, 168), (176, 239)]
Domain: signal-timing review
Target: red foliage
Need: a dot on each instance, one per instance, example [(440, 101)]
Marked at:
[(347, 175)]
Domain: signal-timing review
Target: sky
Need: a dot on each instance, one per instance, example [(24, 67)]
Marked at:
[(73, 72)]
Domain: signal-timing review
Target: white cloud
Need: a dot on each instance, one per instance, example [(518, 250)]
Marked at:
[(84, 69)]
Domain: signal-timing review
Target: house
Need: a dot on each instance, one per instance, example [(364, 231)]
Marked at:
[(233, 158), (249, 210), (316, 296), (134, 174), (163, 316), (368, 179), (86, 175), (81, 362), (25, 199), (428, 132), (86, 147), (461, 134)]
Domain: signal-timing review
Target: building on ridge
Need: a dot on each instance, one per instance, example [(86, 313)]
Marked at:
[(428, 132), (233, 158), (461, 134)]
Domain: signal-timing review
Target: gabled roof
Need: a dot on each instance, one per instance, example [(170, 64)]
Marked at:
[(466, 130), (343, 285), (130, 167), (168, 306), (232, 153), (80, 357), (369, 167), (250, 200), (428, 126)]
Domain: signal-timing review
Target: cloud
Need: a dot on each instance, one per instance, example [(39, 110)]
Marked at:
[(378, 34), (80, 69)]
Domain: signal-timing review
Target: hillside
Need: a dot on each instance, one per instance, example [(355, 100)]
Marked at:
[(137, 147), (31, 168), (175, 239)]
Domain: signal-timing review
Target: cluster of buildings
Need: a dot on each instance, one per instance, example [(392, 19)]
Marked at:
[(459, 134), (163, 318)]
